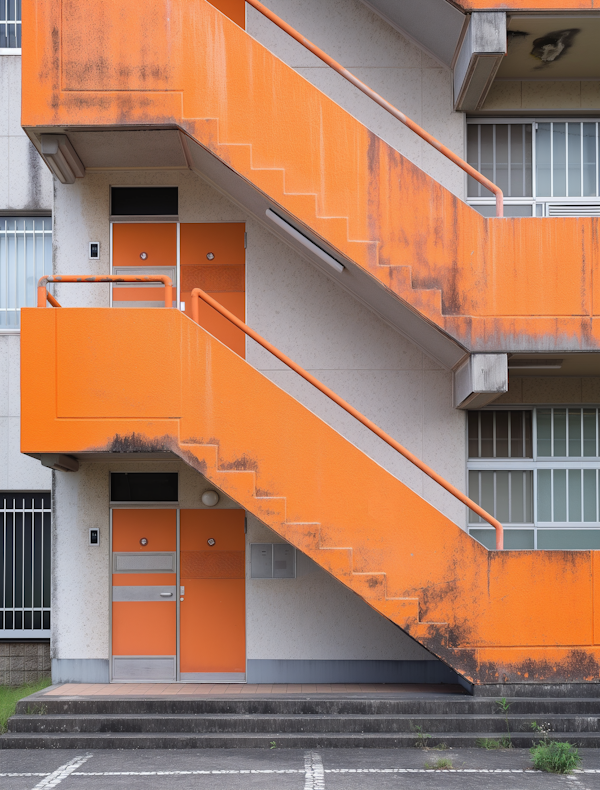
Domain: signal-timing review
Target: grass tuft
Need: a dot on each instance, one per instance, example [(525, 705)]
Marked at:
[(555, 757), (10, 695), (441, 764)]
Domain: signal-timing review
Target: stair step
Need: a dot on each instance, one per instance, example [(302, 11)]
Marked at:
[(182, 740), (540, 710), (434, 726)]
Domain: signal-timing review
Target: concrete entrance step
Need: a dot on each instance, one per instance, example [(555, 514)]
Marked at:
[(267, 724), (265, 740)]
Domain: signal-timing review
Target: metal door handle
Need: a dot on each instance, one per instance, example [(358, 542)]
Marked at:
[(166, 595)]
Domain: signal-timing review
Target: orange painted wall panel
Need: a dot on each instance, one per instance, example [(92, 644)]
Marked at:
[(156, 360), (234, 9), (144, 628)]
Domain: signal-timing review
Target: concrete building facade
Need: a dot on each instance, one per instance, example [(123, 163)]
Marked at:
[(414, 375)]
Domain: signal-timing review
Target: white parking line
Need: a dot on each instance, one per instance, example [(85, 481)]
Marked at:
[(314, 777), (56, 777)]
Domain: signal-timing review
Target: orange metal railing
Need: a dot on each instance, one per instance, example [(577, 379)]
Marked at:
[(444, 150), (198, 293), (44, 296)]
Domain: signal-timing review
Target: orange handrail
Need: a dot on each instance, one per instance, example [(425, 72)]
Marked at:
[(198, 293), (429, 138), (43, 294)]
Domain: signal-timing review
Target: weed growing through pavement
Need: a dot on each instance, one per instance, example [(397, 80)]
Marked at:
[(441, 764), (440, 747), (555, 757), (422, 737), (504, 706), (494, 743), (272, 744)]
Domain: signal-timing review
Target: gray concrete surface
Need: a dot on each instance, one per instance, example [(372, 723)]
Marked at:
[(357, 769)]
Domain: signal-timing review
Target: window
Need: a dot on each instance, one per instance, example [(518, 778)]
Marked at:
[(10, 24), (538, 473), (144, 487), (25, 559), (25, 256), (553, 166)]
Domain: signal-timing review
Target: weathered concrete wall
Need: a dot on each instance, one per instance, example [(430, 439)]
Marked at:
[(386, 61), (310, 617)]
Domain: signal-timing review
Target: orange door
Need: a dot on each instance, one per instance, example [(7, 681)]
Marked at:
[(212, 615), (143, 248), (144, 609), (212, 257)]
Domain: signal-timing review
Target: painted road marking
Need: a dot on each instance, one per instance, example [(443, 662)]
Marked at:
[(17, 774), (314, 777), (56, 777)]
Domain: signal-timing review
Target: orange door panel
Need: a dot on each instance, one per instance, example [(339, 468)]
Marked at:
[(212, 615), (212, 257), (158, 242), (144, 628), (144, 609), (157, 239)]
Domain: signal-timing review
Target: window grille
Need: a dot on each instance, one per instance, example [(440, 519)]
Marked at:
[(25, 256), (501, 152), (25, 562), (549, 485), (553, 166), (10, 24)]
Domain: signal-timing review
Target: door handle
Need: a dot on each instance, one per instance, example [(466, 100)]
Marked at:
[(166, 595)]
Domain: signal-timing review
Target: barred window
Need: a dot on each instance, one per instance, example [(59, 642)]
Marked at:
[(537, 472), (25, 564), (10, 24), (25, 256)]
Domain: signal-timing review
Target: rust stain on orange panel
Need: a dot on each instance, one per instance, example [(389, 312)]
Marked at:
[(143, 628)]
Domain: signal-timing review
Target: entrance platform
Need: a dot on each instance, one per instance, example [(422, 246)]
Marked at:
[(379, 691)]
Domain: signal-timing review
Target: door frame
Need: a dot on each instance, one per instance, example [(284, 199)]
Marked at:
[(177, 507)]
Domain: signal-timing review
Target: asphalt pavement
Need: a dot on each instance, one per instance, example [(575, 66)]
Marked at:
[(286, 769)]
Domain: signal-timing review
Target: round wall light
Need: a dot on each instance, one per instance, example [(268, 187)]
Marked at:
[(210, 498)]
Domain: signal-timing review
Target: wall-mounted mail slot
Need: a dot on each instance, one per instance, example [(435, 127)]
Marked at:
[(272, 561)]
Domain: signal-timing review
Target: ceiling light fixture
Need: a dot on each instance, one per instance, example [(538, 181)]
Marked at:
[(310, 245), (61, 158)]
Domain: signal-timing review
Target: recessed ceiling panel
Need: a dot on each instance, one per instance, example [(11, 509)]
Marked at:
[(552, 48), (148, 149)]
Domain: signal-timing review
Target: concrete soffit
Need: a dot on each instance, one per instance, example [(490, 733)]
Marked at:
[(479, 58), (480, 380)]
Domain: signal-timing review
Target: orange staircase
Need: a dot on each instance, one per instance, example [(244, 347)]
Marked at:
[(492, 285), (493, 616)]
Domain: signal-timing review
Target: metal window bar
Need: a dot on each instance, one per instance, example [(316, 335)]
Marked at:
[(589, 168), (10, 24), (25, 564), (25, 256)]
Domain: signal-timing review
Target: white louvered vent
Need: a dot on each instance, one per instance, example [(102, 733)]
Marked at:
[(573, 209)]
